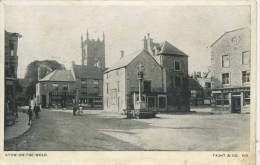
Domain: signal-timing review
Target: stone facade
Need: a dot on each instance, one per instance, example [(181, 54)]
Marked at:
[(175, 64), (93, 52), (89, 82), (121, 83), (230, 72), (55, 90), (11, 65)]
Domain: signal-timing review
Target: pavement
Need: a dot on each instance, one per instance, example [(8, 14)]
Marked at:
[(21, 126)]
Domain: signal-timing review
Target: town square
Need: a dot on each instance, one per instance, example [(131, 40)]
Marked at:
[(100, 78)]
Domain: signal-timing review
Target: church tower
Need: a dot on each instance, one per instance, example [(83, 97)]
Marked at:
[(93, 51)]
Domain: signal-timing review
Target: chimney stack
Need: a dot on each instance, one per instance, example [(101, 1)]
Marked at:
[(145, 43), (122, 54)]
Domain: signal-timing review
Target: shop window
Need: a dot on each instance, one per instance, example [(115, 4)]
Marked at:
[(245, 58), (245, 77), (225, 99), (177, 82), (225, 61), (84, 90), (65, 87), (95, 82), (177, 65), (218, 99), (55, 86), (225, 79), (246, 98), (98, 102), (44, 86)]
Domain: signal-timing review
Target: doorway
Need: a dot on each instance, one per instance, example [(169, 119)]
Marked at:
[(162, 102), (43, 101), (236, 104)]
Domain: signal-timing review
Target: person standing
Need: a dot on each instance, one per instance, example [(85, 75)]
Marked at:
[(74, 110), (80, 110), (36, 110), (30, 114)]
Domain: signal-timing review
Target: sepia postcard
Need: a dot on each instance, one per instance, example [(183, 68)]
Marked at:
[(128, 82)]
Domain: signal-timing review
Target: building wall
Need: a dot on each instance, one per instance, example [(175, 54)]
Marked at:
[(129, 83), (49, 89), (225, 46), (115, 90), (153, 72), (233, 44), (178, 97)]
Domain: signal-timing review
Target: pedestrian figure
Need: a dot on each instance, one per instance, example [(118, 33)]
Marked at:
[(36, 110), (74, 110), (80, 111), (30, 114)]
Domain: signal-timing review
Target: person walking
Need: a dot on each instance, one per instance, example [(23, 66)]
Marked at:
[(74, 110), (36, 110), (30, 114)]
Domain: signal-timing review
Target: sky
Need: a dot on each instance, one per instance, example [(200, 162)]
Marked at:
[(53, 32)]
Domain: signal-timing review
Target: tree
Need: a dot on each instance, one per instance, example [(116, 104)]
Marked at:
[(32, 72)]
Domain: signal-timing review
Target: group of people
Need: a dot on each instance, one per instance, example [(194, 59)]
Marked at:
[(80, 110), (36, 110)]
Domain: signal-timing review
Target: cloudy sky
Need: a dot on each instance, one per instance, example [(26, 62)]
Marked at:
[(53, 31)]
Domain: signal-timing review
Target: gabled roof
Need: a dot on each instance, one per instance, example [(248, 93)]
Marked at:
[(169, 49), (225, 34), (82, 71), (194, 85), (125, 60), (59, 75)]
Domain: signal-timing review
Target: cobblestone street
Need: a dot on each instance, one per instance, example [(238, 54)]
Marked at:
[(59, 130)]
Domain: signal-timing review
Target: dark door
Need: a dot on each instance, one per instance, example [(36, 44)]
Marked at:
[(147, 86), (236, 105), (43, 101)]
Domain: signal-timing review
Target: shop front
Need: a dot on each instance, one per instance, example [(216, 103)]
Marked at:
[(62, 100), (91, 102), (231, 100)]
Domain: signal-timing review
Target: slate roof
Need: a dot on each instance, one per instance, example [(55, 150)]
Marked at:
[(82, 71), (194, 85), (59, 75), (125, 60), (167, 48)]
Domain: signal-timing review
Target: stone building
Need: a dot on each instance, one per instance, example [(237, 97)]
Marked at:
[(93, 52), (230, 71), (196, 92), (121, 83), (11, 65), (89, 82), (56, 90), (175, 64)]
